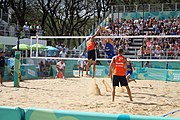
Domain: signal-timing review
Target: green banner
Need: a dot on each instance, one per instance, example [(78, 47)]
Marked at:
[(149, 74), (174, 65), (11, 113), (7, 75), (156, 64), (162, 14), (69, 67), (45, 114), (143, 73), (173, 75), (28, 72), (100, 71)]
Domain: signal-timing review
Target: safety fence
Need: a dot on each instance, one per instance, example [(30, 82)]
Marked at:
[(11, 113), (155, 70), (145, 73)]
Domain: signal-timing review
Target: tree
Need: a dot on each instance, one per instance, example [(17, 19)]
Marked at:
[(67, 17), (102, 6), (4, 5), (19, 7)]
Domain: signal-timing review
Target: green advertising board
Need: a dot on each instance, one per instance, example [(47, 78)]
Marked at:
[(28, 72), (10, 113), (143, 73), (100, 71), (173, 75), (149, 74)]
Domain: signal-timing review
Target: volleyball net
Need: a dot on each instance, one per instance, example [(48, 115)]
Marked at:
[(154, 57), (149, 47)]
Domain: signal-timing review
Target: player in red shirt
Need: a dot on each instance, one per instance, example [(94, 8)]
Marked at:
[(119, 66), (90, 46)]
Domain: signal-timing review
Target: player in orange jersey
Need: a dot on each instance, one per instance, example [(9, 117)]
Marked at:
[(119, 66), (90, 46)]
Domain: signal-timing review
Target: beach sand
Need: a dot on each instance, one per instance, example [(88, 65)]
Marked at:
[(149, 97)]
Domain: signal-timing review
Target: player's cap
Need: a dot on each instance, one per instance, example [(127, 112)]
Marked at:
[(128, 59)]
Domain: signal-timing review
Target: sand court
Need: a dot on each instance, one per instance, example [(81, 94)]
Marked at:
[(149, 97)]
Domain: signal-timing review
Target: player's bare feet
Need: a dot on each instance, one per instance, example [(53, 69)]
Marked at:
[(107, 87), (87, 75)]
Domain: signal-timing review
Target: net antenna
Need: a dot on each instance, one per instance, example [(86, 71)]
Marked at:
[(37, 39), (85, 37)]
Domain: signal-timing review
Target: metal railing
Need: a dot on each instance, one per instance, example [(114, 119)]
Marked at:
[(10, 30), (4, 16), (7, 30), (147, 7)]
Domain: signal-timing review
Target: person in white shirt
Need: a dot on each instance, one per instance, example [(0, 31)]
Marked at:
[(63, 53), (26, 30), (60, 68), (81, 65)]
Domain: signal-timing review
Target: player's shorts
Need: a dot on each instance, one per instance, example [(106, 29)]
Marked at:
[(59, 70), (2, 69), (92, 55), (81, 68), (129, 72), (119, 79)]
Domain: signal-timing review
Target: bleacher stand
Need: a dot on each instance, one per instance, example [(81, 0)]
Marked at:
[(157, 48)]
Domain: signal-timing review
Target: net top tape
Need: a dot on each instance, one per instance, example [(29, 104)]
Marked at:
[(141, 36)]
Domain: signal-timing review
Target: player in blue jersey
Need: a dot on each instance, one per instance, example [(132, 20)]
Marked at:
[(109, 46), (129, 71)]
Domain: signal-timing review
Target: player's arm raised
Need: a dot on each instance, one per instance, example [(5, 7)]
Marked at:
[(107, 34), (103, 40), (95, 33)]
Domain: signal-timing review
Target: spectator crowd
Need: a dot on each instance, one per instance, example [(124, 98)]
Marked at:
[(157, 47)]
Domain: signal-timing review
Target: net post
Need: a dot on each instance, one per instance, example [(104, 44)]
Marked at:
[(17, 72)]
